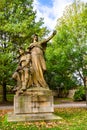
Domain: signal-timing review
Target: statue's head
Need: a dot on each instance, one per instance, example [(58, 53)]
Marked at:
[(35, 38), (21, 50)]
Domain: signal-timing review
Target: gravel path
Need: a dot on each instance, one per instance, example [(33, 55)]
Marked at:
[(66, 105), (63, 105), (6, 107)]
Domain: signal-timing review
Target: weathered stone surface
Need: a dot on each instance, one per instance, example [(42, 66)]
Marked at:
[(35, 104), (32, 117)]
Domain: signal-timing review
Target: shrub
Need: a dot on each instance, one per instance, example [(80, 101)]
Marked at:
[(80, 94)]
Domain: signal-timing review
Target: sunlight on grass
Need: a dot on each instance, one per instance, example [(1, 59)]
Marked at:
[(72, 119)]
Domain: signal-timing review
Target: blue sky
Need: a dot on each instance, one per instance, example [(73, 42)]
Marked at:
[(48, 3), (51, 10)]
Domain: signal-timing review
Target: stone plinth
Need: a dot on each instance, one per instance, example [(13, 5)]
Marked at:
[(32, 117), (33, 101), (32, 105)]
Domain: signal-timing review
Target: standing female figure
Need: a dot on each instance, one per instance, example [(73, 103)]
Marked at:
[(37, 49)]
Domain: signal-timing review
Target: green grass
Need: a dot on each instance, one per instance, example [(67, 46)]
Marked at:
[(72, 119), (75, 118), (62, 100)]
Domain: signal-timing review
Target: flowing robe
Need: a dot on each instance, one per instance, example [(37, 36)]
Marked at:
[(38, 64)]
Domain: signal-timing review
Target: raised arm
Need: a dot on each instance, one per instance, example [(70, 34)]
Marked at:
[(49, 38)]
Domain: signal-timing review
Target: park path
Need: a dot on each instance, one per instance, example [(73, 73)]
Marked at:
[(67, 105), (63, 105)]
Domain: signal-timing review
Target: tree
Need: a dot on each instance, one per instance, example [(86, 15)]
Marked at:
[(69, 47), (17, 24)]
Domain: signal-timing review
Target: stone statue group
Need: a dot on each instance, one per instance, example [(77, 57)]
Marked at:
[(31, 65)]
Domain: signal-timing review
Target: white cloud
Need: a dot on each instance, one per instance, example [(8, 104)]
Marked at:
[(84, 0), (51, 14)]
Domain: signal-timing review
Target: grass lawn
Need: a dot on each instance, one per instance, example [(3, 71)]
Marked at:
[(62, 100), (72, 119)]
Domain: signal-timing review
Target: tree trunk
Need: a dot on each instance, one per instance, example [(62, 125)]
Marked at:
[(4, 98), (85, 86), (86, 95)]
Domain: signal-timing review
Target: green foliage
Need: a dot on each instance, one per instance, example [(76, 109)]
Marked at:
[(58, 68), (18, 21), (79, 94), (6, 67), (73, 35), (67, 62)]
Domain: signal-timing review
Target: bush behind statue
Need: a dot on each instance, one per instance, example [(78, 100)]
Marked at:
[(79, 94)]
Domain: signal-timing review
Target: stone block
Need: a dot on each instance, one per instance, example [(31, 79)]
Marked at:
[(33, 105), (32, 117)]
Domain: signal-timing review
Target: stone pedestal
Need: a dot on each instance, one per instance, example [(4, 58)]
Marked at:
[(32, 105)]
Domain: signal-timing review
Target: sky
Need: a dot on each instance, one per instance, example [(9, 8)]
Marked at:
[(51, 10)]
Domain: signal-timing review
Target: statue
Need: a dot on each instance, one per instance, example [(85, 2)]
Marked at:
[(33, 100), (17, 74), (21, 75), (31, 68), (37, 49)]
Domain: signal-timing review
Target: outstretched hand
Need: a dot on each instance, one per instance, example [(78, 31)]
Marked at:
[(54, 32)]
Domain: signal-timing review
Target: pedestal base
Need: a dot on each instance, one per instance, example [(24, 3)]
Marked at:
[(32, 117), (32, 105), (33, 101)]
